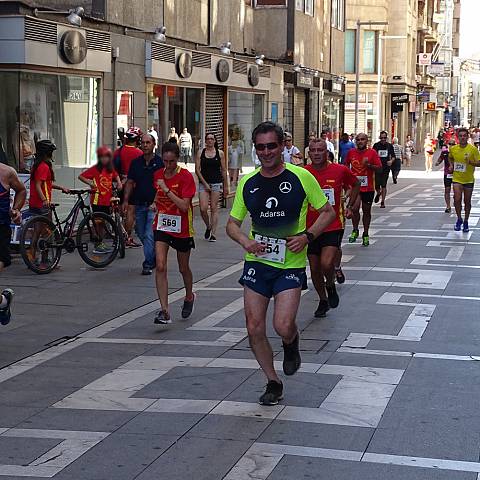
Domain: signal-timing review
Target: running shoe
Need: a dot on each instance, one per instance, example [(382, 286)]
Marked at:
[(458, 225), (291, 357), (333, 298), (273, 394), (377, 198), (146, 271), (465, 227), (365, 240), (382, 205), (5, 312), (101, 249), (353, 236), (162, 318), (208, 231), (448, 210), (340, 276), (187, 308), (212, 238), (322, 309), (394, 180)]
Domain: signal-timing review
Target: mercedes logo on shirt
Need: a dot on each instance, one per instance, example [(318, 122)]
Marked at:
[(285, 187)]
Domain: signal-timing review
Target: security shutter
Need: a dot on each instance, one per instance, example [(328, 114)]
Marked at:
[(299, 119), (214, 113), (350, 121)]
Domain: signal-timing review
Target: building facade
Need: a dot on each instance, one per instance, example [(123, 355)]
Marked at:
[(77, 85), (398, 40)]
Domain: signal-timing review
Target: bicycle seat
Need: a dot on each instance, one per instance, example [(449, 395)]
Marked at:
[(79, 192)]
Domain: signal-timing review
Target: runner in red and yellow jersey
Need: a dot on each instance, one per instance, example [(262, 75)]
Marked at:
[(173, 227), (322, 252), (363, 162), (101, 177)]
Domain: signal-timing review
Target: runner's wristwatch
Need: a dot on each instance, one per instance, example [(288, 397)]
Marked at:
[(310, 236)]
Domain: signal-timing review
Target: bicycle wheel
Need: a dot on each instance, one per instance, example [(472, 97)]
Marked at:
[(97, 240), (40, 245), (122, 236)]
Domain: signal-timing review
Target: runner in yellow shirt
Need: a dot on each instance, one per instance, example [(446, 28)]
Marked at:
[(463, 157)]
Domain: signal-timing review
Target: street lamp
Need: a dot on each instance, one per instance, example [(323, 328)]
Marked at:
[(260, 60), (225, 48), (357, 65), (159, 34), (74, 15), (379, 79)]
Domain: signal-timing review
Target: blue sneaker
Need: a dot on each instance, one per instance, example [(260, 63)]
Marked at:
[(5, 313), (458, 225), (465, 227)]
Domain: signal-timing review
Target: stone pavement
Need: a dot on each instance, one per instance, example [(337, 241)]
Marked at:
[(387, 387)]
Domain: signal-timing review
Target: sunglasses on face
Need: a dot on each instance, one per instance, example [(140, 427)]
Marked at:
[(262, 146)]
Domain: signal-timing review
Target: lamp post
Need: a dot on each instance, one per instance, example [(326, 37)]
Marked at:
[(379, 78), (357, 65)]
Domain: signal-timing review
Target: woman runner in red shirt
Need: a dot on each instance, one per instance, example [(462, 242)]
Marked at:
[(173, 227)]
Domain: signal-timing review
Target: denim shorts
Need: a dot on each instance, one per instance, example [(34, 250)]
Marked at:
[(216, 187)]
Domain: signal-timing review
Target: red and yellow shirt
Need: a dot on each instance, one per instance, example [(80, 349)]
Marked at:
[(44, 175), (333, 179), (102, 181), (170, 219), (356, 160)]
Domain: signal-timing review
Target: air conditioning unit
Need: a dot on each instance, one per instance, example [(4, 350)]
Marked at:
[(395, 78)]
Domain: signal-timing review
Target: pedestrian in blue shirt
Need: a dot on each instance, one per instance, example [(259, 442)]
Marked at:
[(344, 146)]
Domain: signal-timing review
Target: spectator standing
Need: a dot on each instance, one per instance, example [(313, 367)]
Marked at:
[(344, 146), (186, 146), (330, 146), (409, 150), (399, 156), (291, 154), (429, 149), (140, 192)]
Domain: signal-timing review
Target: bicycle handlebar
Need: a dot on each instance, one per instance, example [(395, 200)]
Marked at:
[(79, 192)]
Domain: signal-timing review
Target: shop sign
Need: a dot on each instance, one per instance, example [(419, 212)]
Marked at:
[(253, 76), (337, 86), (424, 58), (304, 81), (424, 97), (73, 47), (184, 65), (437, 69), (431, 106), (400, 97), (361, 106), (223, 70)]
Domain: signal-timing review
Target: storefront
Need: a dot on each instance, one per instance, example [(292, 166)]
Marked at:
[(51, 88), (205, 92), (245, 112), (333, 108)]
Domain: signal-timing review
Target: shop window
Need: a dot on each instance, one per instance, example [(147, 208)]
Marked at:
[(10, 125), (125, 110), (350, 51), (338, 14), (245, 112), (175, 107), (309, 7), (369, 51)]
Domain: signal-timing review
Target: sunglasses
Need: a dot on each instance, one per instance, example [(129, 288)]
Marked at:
[(262, 146)]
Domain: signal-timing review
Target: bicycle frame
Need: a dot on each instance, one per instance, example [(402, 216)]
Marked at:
[(69, 223)]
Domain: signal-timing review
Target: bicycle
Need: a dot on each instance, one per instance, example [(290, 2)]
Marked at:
[(43, 240), (117, 218)]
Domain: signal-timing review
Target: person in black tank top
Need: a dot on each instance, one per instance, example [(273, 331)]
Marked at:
[(211, 170), (9, 180)]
